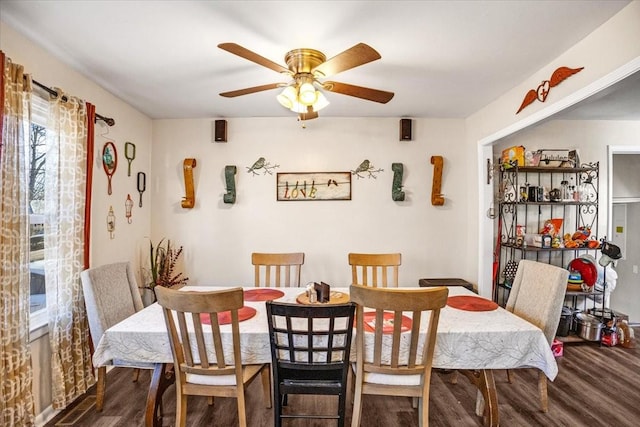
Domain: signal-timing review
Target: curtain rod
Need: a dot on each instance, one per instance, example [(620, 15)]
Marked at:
[(109, 121)]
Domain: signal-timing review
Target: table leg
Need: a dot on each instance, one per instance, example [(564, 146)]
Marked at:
[(163, 376), (483, 380)]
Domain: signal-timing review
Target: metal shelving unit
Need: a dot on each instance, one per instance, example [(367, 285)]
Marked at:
[(518, 212)]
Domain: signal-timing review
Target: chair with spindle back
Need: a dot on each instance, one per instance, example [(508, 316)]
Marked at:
[(377, 270), (388, 342), (205, 365), (277, 269)]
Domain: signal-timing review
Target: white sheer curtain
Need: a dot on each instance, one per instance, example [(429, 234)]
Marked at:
[(65, 199), (16, 396)]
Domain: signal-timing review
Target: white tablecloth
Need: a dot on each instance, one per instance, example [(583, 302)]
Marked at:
[(466, 339)]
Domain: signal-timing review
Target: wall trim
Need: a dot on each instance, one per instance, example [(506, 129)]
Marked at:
[(45, 416)]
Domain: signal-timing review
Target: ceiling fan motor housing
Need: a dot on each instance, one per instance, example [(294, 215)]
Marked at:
[(304, 60)]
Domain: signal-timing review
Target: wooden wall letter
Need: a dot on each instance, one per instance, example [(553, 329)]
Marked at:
[(396, 189), (436, 195), (229, 176), (190, 198)]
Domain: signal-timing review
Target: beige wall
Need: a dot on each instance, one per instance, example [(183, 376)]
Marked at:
[(218, 238)]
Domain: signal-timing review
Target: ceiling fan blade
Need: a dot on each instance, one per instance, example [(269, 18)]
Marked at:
[(249, 90), (369, 94), (245, 53), (353, 57)]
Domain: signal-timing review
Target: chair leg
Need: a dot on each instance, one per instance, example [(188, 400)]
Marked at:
[(454, 377), (181, 407), (210, 400), (509, 376), (100, 386), (542, 386), (265, 376), (423, 412), (242, 410), (357, 403), (414, 402), (342, 406), (136, 375), (277, 407)]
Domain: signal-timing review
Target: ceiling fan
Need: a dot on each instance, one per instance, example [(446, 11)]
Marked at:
[(306, 67)]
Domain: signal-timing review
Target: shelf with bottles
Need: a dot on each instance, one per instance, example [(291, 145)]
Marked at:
[(549, 185)]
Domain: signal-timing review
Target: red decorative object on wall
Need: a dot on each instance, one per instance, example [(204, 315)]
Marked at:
[(542, 91)]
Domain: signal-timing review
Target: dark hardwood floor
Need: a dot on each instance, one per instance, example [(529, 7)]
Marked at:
[(596, 386)]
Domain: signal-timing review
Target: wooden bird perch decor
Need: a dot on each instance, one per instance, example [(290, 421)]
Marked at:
[(436, 195), (189, 200)]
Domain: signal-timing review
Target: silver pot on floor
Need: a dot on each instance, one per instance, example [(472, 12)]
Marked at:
[(589, 327)]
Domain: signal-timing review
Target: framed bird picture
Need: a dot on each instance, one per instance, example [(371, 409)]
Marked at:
[(308, 186)]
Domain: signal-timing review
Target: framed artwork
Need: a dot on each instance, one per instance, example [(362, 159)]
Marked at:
[(307, 186)]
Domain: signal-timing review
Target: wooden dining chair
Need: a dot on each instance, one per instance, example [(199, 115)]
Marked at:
[(394, 354), (205, 364), (310, 347), (276, 270), (111, 295), (377, 270), (537, 296)]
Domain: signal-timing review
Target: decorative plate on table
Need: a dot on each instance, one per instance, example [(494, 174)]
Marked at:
[(335, 297), (224, 318), (262, 294), (387, 319), (471, 303)]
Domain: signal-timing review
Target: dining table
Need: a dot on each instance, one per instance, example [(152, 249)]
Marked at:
[(475, 337)]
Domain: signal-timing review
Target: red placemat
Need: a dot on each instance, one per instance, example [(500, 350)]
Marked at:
[(262, 294), (471, 303), (387, 327), (224, 318)]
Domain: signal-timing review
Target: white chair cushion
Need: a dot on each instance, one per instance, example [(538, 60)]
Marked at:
[(221, 380), (406, 380), (386, 379)]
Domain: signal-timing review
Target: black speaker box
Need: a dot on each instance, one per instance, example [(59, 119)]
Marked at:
[(220, 131), (405, 129)]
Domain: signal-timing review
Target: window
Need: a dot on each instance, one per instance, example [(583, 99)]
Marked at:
[(36, 155)]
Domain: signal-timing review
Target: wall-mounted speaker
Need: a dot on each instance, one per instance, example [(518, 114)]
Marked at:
[(405, 129), (220, 131)]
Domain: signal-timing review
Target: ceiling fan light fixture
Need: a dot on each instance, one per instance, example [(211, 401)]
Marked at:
[(307, 94), (298, 107), (288, 97), (321, 101)]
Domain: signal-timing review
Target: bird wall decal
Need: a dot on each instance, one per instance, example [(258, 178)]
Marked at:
[(261, 163), (366, 167), (542, 91)]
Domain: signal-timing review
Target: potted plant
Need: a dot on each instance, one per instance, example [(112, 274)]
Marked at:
[(162, 263)]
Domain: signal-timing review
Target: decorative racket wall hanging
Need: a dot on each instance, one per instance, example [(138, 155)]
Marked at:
[(109, 162), (142, 185), (129, 154)]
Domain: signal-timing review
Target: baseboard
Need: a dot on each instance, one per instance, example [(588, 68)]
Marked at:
[(45, 416)]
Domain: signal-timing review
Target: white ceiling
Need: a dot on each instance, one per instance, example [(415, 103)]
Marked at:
[(443, 59)]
